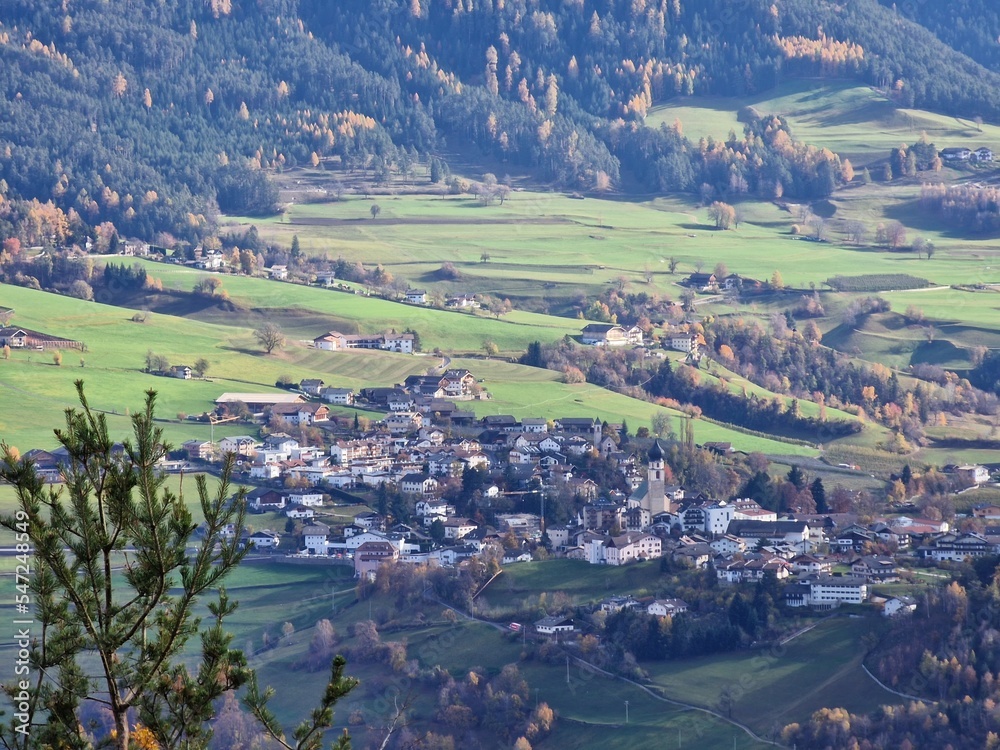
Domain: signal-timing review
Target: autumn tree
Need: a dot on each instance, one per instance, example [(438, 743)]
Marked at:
[(375, 210), (118, 577), (119, 85), (722, 214), (270, 336)]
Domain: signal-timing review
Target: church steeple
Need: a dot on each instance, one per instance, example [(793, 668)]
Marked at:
[(656, 462)]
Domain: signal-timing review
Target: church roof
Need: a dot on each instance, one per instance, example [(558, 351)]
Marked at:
[(656, 452)]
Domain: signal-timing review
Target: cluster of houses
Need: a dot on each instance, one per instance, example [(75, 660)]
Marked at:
[(414, 453), (961, 153)]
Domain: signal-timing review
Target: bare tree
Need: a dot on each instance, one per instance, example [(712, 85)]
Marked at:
[(270, 336), (819, 229), (856, 232), (895, 235)]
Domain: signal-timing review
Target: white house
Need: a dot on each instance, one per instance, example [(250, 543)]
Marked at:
[(667, 607), (306, 499), (341, 396), (314, 538), (265, 472), (728, 545), (554, 625), (456, 528), (416, 296), (898, 605), (264, 539), (624, 549), (684, 342), (418, 484)]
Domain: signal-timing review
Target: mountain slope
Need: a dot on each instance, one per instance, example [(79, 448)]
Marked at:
[(155, 116)]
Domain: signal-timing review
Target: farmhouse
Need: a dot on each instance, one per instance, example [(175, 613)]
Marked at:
[(955, 154), (956, 547), (606, 334), (774, 532), (181, 371), (416, 296), (20, 338), (264, 500), (15, 338), (47, 465), (973, 473), (462, 302), (334, 341), (278, 272), (312, 386), (982, 154), (703, 282)]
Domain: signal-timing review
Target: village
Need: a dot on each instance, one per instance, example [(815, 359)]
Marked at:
[(407, 468)]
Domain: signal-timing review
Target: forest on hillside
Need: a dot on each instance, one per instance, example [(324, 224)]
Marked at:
[(157, 116)]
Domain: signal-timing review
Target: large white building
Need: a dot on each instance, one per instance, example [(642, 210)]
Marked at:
[(624, 549), (826, 592)]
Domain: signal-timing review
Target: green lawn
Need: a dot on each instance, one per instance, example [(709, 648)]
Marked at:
[(782, 684), (576, 578)]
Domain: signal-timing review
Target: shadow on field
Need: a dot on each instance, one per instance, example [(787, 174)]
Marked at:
[(916, 217)]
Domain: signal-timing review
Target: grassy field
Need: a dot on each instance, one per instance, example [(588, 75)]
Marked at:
[(576, 578), (310, 312), (115, 383), (852, 120), (784, 684)]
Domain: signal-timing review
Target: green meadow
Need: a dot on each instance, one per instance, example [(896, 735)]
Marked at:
[(117, 346), (782, 684), (856, 121)]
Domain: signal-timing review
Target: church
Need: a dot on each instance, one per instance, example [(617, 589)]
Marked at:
[(651, 495)]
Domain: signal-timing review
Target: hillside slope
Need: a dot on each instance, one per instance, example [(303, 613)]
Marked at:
[(154, 116)]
